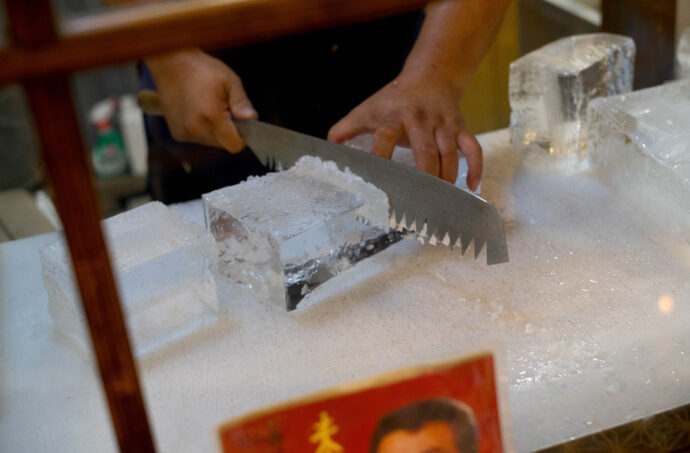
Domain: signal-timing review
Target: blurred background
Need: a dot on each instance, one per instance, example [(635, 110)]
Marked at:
[(25, 207)]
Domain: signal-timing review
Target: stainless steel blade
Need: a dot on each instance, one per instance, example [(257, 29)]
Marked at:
[(422, 198)]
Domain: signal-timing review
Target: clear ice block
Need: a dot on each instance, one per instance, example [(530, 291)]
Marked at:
[(641, 141), (285, 233), (550, 88), (163, 267), (683, 55)]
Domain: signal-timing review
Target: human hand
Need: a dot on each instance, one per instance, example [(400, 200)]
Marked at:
[(200, 96), (421, 112)]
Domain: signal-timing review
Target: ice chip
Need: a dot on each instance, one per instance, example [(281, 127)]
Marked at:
[(285, 233), (550, 88), (641, 141), (163, 265), (683, 55)]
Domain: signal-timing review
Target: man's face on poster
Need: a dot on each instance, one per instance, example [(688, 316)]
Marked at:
[(432, 437)]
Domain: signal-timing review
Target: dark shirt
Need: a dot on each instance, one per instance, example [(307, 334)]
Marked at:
[(305, 83)]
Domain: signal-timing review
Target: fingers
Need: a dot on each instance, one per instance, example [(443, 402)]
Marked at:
[(225, 133), (347, 128), (472, 150), (424, 149), (448, 153), (201, 115), (223, 129), (240, 105), (385, 139)]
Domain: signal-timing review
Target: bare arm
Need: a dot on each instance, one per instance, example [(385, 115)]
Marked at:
[(420, 108)]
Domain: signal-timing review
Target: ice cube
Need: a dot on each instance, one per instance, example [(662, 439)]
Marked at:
[(284, 233), (551, 86), (683, 55), (163, 266), (641, 141)]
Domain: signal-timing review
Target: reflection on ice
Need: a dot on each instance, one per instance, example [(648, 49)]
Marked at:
[(665, 304)]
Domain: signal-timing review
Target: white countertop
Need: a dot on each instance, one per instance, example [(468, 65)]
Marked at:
[(586, 346)]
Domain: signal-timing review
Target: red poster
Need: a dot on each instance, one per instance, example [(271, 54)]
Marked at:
[(450, 408)]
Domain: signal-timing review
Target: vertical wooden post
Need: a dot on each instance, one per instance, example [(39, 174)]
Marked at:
[(652, 25), (50, 98)]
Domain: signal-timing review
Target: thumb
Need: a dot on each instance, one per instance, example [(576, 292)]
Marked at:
[(240, 105), (225, 133)]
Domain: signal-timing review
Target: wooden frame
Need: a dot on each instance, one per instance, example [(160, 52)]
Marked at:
[(42, 56), (652, 25), (134, 32)]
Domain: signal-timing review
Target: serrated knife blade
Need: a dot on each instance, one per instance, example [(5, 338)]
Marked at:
[(422, 198)]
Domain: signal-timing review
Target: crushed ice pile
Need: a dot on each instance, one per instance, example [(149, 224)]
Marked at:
[(641, 143), (163, 267), (550, 88), (285, 233), (683, 55)]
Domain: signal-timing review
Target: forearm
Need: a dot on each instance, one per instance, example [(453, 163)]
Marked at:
[(177, 63), (454, 38)]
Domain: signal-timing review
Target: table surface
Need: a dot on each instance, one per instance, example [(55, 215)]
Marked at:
[(585, 345)]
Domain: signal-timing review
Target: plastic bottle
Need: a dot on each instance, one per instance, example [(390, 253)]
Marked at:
[(109, 157), (134, 134)]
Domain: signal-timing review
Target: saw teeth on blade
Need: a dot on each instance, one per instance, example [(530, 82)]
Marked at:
[(446, 240), (273, 164), (454, 238), (392, 224), (398, 217), (411, 225), (402, 225), (434, 235), (465, 240), (478, 245), (423, 232)]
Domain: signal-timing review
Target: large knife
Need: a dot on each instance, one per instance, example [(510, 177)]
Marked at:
[(419, 202)]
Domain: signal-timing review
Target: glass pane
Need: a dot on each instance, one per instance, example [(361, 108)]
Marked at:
[(122, 182), (3, 25), (71, 8), (19, 150)]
